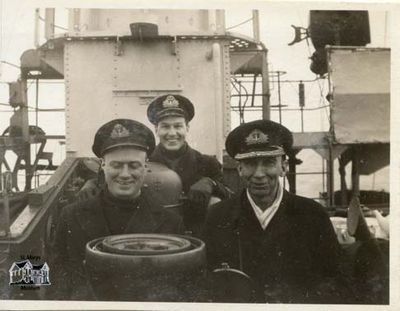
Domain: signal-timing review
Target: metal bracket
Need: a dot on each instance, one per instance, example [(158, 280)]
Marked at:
[(174, 46), (119, 51), (300, 34)]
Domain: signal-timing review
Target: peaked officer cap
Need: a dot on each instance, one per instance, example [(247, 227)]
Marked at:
[(123, 133), (170, 105), (261, 138)]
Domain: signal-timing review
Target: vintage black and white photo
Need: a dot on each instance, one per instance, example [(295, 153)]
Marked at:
[(197, 154)]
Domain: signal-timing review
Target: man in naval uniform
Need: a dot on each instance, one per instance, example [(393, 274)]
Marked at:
[(284, 242), (201, 175), (121, 207)]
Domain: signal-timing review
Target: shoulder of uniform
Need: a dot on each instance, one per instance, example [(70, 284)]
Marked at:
[(307, 206), (208, 160), (79, 205)]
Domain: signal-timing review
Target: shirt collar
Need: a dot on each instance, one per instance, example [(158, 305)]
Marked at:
[(264, 217)]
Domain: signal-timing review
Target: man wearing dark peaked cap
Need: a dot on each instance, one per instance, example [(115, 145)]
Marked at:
[(201, 174), (285, 243), (123, 206)]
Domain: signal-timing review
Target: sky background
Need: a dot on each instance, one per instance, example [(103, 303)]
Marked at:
[(17, 35)]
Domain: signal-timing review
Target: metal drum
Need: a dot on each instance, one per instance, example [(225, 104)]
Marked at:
[(145, 267)]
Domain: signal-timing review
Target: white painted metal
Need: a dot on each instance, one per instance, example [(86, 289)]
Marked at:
[(36, 29), (256, 26), (87, 22), (359, 81), (106, 80), (49, 23)]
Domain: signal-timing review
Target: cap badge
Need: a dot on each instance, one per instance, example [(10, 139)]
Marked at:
[(256, 137), (170, 102), (119, 131)]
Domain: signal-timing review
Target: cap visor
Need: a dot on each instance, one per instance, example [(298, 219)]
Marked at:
[(123, 145), (258, 154)]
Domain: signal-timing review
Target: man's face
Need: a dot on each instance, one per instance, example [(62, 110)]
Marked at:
[(261, 176), (172, 132), (124, 171)]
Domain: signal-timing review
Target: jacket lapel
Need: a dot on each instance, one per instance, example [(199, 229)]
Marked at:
[(280, 223)]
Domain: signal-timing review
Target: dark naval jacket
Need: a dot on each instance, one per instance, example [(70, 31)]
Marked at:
[(191, 166), (295, 259), (99, 216)]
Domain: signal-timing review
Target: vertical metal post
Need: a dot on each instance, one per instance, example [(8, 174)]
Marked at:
[(254, 90), (241, 109), (301, 103), (28, 167), (302, 119), (22, 112), (279, 96), (49, 23), (219, 96), (36, 121), (36, 29), (343, 185), (266, 109), (256, 26), (5, 187), (355, 171), (330, 178), (26, 137)]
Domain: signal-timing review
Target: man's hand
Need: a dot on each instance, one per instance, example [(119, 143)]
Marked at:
[(200, 192), (199, 196)]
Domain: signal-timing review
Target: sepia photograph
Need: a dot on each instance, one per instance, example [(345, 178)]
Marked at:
[(197, 155)]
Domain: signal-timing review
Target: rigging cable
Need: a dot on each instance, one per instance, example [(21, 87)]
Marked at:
[(8, 63), (240, 24), (54, 25), (241, 112), (246, 97), (32, 109)]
